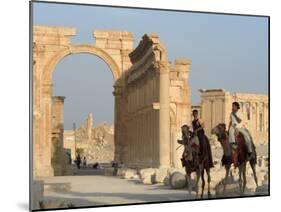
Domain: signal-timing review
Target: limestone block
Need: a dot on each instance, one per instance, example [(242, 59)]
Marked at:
[(160, 174), (148, 179), (147, 176), (130, 173), (175, 93), (172, 170), (136, 177), (167, 180), (148, 171), (177, 83), (177, 180)]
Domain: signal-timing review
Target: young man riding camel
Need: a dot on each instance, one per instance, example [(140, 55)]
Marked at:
[(235, 127)]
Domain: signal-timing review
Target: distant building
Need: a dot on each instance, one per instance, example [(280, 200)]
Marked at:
[(216, 107), (95, 143)]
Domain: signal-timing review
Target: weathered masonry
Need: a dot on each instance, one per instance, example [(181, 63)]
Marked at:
[(158, 104), (152, 97), (216, 107)]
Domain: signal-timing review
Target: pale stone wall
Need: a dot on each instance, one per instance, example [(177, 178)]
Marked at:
[(69, 142), (216, 107), (180, 107)]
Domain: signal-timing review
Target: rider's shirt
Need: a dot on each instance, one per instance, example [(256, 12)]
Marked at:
[(234, 121)]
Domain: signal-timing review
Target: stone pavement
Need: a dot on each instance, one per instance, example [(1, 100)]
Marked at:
[(104, 190)]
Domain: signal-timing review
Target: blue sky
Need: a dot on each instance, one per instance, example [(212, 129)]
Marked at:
[(227, 51)]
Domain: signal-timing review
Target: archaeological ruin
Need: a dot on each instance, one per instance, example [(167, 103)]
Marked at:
[(152, 98), (94, 143), (215, 108)]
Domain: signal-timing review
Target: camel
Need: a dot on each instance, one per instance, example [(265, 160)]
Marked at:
[(193, 162), (236, 155)]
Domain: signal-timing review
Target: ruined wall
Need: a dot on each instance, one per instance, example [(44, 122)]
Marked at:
[(180, 107), (96, 143), (216, 107), (158, 97)]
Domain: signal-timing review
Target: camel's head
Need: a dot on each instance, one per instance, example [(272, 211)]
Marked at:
[(185, 129), (219, 130)]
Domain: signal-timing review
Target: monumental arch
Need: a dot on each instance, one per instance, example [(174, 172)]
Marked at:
[(152, 97)]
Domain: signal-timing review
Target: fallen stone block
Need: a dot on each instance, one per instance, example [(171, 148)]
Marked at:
[(177, 180), (172, 170), (130, 173), (150, 171), (148, 179), (166, 181), (160, 174)]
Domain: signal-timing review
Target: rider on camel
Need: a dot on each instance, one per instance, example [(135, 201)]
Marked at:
[(234, 128), (198, 130)]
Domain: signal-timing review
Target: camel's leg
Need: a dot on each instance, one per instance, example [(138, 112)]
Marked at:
[(244, 177), (227, 168), (203, 182), (197, 182), (253, 166), (209, 181), (188, 178), (240, 177)]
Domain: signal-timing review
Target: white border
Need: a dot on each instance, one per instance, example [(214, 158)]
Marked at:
[(14, 117)]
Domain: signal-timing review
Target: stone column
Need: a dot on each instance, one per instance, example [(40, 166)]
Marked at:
[(89, 126), (257, 116), (164, 114), (117, 123), (43, 146), (264, 117), (57, 157), (213, 114)]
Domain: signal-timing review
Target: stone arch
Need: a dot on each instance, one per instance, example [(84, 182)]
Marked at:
[(50, 45), (75, 49)]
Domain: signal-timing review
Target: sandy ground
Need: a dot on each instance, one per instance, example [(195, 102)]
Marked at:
[(91, 188)]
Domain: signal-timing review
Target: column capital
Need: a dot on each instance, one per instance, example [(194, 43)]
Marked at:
[(118, 90), (161, 67)]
